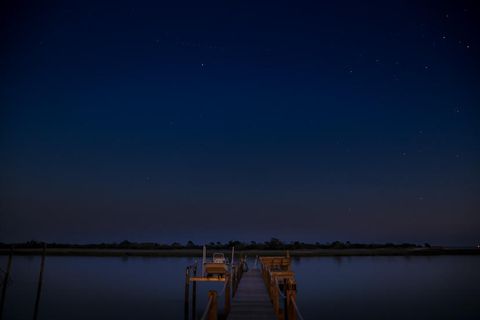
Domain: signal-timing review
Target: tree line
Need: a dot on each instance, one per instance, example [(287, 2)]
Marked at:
[(272, 244)]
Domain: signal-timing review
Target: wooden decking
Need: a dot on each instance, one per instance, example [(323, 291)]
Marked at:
[(251, 300)]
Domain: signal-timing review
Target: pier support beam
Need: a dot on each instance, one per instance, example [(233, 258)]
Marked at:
[(212, 311), (194, 293), (227, 293), (40, 282), (5, 282), (290, 296), (187, 293)]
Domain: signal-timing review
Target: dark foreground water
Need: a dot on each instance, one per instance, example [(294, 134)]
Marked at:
[(444, 287)]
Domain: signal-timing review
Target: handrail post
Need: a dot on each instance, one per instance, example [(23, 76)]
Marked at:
[(187, 292), (286, 304), (234, 280), (40, 282), (212, 312), (194, 293), (227, 294), (5, 281), (275, 297), (290, 295)]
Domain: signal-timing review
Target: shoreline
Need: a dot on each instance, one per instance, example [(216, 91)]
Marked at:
[(250, 253)]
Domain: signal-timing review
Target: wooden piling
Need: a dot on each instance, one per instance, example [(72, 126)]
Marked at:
[(40, 282), (5, 282), (194, 294), (212, 311), (286, 304), (290, 296), (227, 294), (275, 298), (234, 280), (187, 292)]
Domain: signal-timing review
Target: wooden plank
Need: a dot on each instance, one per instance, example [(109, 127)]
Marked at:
[(214, 279), (283, 274), (252, 300)]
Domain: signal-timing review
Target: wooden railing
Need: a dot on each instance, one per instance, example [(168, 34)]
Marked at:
[(281, 286), (279, 280), (211, 312)]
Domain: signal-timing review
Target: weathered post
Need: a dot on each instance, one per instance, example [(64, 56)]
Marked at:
[(40, 282), (288, 258), (286, 305), (227, 294), (5, 281), (270, 285), (212, 311), (204, 260), (232, 283), (187, 291), (234, 280), (194, 293), (290, 294), (275, 297)]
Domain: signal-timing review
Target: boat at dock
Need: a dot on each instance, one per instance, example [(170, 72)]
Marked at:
[(217, 267)]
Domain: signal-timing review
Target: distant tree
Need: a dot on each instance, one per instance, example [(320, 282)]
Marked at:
[(297, 245), (190, 244), (338, 245), (275, 244), (176, 245), (125, 243), (426, 245)]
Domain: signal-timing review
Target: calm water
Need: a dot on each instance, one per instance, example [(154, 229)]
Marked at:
[(446, 287)]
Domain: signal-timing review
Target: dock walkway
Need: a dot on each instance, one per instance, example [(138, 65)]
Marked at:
[(265, 294), (251, 300)]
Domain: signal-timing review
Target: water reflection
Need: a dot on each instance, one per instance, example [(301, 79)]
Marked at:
[(443, 287), (328, 287)]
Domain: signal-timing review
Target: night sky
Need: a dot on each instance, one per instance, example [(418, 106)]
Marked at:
[(170, 121)]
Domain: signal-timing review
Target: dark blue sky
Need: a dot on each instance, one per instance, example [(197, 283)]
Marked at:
[(169, 121)]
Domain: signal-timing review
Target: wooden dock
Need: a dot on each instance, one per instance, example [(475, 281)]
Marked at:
[(252, 300), (267, 293)]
